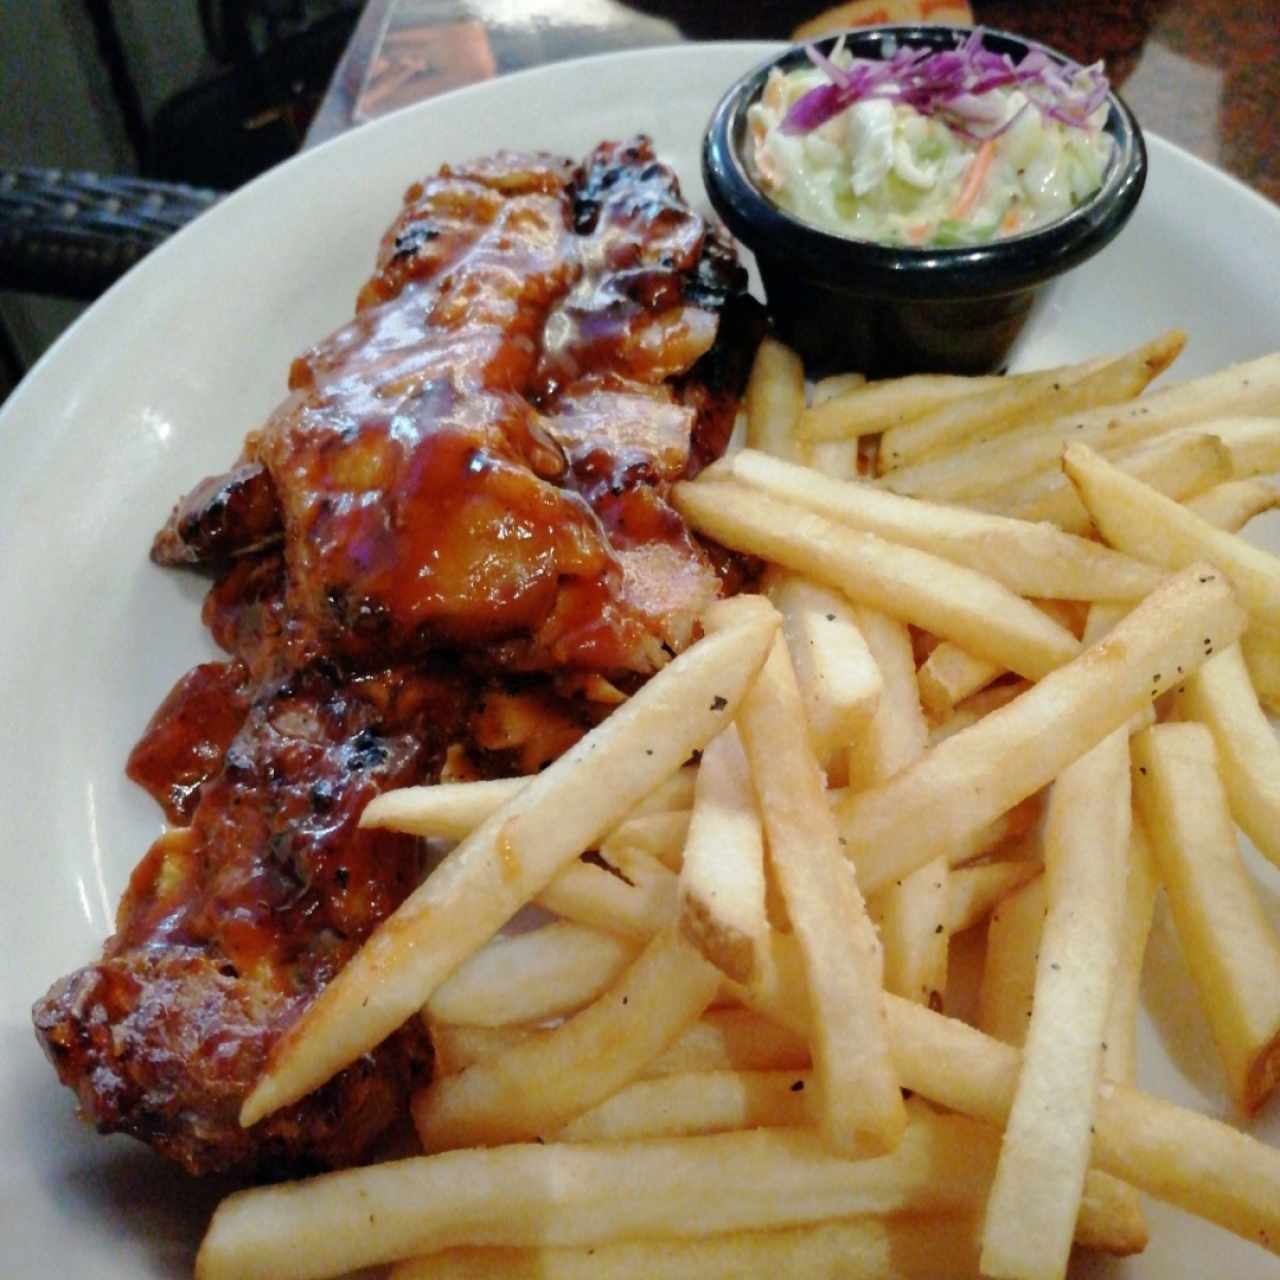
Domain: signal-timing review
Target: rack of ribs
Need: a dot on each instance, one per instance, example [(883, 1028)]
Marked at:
[(448, 551)]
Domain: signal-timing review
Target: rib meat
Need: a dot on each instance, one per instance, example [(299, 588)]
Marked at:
[(449, 550), (230, 925)]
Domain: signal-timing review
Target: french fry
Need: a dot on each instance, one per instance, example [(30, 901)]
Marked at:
[(1009, 971), (733, 1040), (1146, 524), (880, 406), (974, 893), (1221, 697), (1028, 559), (969, 779), (774, 399), (858, 1096), (456, 1048), (914, 586), (453, 810), (949, 675), (540, 1085), (1035, 1199), (721, 1040), (1230, 948), (1111, 1218), (915, 953), (897, 733), (1249, 388), (445, 811), (722, 910), (1180, 465), (1032, 398), (839, 680), (898, 1248), (1100, 623), (1232, 505), (531, 977), (1012, 835), (1122, 1223), (1119, 1049), (1101, 620), (675, 1106), (914, 934), (1075, 614), (1004, 838), (912, 914), (660, 836), (674, 794), (975, 707), (1039, 395), (835, 458), (1179, 1156), (634, 907), (1261, 649), (1252, 444), (588, 1193), (1176, 1155), (836, 384), (1008, 827), (1114, 1221), (514, 854)]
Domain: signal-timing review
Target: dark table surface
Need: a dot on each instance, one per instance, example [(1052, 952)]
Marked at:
[(1202, 73)]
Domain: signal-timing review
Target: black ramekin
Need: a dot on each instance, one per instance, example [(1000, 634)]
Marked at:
[(885, 310)]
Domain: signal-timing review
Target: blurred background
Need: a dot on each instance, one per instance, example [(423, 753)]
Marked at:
[(201, 92)]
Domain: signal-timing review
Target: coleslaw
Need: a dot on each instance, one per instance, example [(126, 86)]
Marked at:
[(930, 149)]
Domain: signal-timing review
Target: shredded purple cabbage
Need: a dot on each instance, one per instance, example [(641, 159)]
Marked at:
[(951, 85)]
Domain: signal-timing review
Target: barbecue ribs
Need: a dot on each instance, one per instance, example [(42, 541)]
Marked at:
[(449, 549)]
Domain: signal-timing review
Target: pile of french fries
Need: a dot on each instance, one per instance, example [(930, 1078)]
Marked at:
[(724, 1051)]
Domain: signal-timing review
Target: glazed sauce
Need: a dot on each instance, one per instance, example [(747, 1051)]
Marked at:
[(449, 547), (184, 742), (453, 465)]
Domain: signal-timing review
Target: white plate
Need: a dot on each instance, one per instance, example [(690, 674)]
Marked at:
[(155, 388)]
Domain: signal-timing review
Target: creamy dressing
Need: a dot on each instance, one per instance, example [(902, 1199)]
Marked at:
[(882, 171)]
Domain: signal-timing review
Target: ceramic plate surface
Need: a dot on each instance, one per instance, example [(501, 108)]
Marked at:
[(155, 388)]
